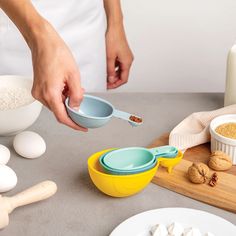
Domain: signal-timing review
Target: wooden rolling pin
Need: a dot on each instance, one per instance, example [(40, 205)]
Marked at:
[(36, 193)]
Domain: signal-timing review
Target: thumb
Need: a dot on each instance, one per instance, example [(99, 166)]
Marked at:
[(76, 93)]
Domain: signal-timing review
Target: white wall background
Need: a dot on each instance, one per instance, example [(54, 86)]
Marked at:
[(179, 45)]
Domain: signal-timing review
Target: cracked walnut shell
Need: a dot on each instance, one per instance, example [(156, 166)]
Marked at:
[(220, 161), (198, 173)]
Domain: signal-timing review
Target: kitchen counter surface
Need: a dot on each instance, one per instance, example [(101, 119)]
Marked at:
[(78, 208)]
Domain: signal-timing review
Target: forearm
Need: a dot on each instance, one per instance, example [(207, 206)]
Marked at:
[(26, 18), (113, 13)]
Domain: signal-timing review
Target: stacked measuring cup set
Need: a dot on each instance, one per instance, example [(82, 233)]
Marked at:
[(135, 160), (126, 171)]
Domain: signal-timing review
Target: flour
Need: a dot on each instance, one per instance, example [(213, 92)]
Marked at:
[(11, 98)]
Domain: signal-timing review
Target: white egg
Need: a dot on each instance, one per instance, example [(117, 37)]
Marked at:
[(4, 154), (8, 178), (29, 144)]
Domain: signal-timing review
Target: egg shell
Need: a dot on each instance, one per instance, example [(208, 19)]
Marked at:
[(8, 178), (29, 144), (4, 154)]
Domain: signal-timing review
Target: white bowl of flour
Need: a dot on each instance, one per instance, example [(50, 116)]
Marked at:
[(18, 109)]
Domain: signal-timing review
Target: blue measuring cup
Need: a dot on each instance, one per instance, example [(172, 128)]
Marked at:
[(95, 112)]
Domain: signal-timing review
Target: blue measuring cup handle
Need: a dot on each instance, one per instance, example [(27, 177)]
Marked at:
[(164, 151), (125, 116)]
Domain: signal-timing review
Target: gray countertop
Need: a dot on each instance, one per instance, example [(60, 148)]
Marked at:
[(79, 208)]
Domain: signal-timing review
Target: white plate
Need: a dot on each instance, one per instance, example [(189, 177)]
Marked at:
[(139, 225)]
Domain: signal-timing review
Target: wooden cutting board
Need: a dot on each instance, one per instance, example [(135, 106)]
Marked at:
[(223, 195)]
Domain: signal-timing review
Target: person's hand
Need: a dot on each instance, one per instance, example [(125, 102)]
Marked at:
[(119, 57), (56, 76)]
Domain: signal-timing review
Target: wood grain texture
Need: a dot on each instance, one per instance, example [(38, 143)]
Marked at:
[(223, 195)]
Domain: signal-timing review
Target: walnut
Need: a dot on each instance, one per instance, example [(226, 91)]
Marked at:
[(213, 180), (198, 173), (220, 161)]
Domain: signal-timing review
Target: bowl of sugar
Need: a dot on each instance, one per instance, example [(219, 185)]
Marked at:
[(18, 109)]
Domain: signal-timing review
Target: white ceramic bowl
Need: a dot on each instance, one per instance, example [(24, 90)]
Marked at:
[(219, 142), (15, 120)]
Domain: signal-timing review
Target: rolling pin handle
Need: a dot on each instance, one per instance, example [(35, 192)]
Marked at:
[(36, 193)]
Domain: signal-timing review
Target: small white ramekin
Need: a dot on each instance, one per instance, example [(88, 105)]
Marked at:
[(219, 142)]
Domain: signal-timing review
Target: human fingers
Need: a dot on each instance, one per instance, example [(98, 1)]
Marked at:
[(56, 105), (75, 91), (111, 69), (37, 95), (123, 76)]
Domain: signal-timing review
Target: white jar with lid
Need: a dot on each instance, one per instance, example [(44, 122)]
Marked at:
[(230, 89)]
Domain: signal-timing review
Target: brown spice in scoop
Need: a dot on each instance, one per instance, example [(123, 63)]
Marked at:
[(228, 130), (136, 119)]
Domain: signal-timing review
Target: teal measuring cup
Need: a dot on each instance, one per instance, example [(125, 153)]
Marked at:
[(133, 159), (112, 171), (96, 112)]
